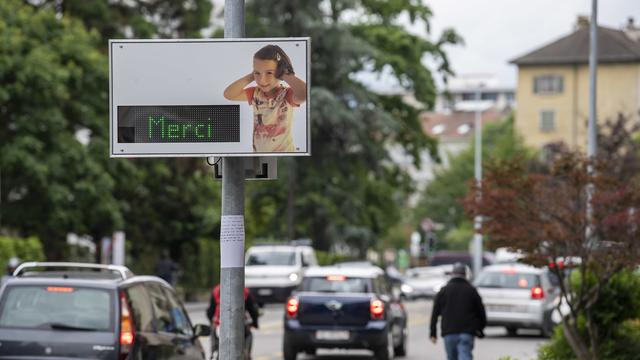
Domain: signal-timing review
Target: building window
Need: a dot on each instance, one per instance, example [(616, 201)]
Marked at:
[(493, 96), (548, 84), (547, 120), (468, 96)]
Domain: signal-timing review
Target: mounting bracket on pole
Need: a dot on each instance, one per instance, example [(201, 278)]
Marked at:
[(255, 168)]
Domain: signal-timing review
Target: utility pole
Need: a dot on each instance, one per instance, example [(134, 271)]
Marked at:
[(593, 77), (477, 236), (232, 227), (592, 138)]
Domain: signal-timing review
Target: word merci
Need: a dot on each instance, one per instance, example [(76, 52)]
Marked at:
[(180, 130)]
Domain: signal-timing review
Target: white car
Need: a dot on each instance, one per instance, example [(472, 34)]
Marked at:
[(273, 271)]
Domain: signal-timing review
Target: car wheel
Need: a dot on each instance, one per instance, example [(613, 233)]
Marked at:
[(512, 330), (288, 351), (401, 349), (385, 351)]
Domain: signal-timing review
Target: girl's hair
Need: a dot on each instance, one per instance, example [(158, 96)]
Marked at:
[(275, 53)]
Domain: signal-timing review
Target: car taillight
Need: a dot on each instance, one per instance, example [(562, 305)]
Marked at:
[(377, 309), (537, 292), (292, 307), (127, 333)]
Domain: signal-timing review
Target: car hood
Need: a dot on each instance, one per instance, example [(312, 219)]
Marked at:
[(269, 271)]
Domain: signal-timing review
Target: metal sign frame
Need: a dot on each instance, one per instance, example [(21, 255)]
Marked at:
[(188, 73)]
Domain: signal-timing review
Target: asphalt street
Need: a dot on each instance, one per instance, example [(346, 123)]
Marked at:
[(496, 345)]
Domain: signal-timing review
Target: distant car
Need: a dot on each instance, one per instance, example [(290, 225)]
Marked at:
[(91, 311), (350, 308), (273, 271), (464, 257), (426, 282), (518, 296)]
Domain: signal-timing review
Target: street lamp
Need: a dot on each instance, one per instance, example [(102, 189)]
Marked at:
[(477, 237)]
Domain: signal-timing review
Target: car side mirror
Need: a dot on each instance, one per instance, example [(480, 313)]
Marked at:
[(201, 330)]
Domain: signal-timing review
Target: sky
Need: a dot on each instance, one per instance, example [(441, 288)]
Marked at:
[(497, 31)]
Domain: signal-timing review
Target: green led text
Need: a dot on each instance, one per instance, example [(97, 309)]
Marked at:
[(179, 130)]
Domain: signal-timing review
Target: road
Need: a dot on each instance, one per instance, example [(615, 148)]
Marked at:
[(496, 345)]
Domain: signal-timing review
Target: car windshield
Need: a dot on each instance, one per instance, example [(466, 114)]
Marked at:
[(57, 307), (281, 258), (336, 284), (507, 280)]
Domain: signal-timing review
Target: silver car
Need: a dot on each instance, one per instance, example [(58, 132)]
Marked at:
[(518, 296), (426, 282)]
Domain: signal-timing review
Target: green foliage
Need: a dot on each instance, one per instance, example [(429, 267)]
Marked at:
[(616, 316), (53, 84), (329, 258), (29, 249), (200, 267), (135, 18), (442, 199), (349, 191)]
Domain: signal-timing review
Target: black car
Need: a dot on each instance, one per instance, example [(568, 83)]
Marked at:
[(76, 310), (341, 307)]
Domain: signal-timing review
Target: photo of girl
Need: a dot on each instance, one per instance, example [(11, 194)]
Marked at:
[(277, 91)]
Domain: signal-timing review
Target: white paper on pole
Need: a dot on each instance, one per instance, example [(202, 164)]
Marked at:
[(232, 241)]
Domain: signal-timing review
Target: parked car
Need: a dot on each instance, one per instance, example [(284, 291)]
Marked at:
[(91, 311), (426, 282), (518, 296), (350, 308), (273, 271)]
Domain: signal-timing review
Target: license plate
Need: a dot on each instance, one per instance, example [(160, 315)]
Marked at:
[(506, 308), (332, 335), (264, 292)]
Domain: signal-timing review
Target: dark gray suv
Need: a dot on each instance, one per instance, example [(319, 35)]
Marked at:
[(77, 310)]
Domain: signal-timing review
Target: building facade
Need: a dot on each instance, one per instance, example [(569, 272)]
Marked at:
[(553, 85)]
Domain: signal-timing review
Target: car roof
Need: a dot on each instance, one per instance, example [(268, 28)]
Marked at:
[(517, 267), (363, 272), (76, 282)]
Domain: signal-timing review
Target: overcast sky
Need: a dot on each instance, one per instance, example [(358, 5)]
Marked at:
[(496, 31)]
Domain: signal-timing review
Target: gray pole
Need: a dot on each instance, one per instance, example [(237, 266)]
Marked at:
[(592, 139), (593, 76), (477, 237), (232, 278)]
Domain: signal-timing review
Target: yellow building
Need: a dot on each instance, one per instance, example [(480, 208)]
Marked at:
[(553, 85)]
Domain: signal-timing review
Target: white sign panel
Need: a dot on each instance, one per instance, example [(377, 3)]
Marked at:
[(209, 97)]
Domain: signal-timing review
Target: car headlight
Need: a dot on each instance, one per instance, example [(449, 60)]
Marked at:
[(406, 288), (293, 277)]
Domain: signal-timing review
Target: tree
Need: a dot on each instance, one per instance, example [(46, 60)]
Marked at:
[(349, 191), (544, 214), (442, 199), (115, 19), (53, 79)]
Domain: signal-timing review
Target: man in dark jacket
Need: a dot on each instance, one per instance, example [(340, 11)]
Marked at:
[(463, 315)]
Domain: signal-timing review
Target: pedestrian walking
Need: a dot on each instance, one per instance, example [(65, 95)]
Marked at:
[(463, 315)]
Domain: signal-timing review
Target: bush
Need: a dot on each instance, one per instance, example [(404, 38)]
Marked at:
[(617, 318), (29, 249)]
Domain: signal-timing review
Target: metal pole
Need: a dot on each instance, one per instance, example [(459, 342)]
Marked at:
[(592, 139), (477, 237), (593, 69), (232, 278)]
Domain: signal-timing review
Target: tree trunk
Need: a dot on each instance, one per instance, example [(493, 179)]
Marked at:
[(578, 346)]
